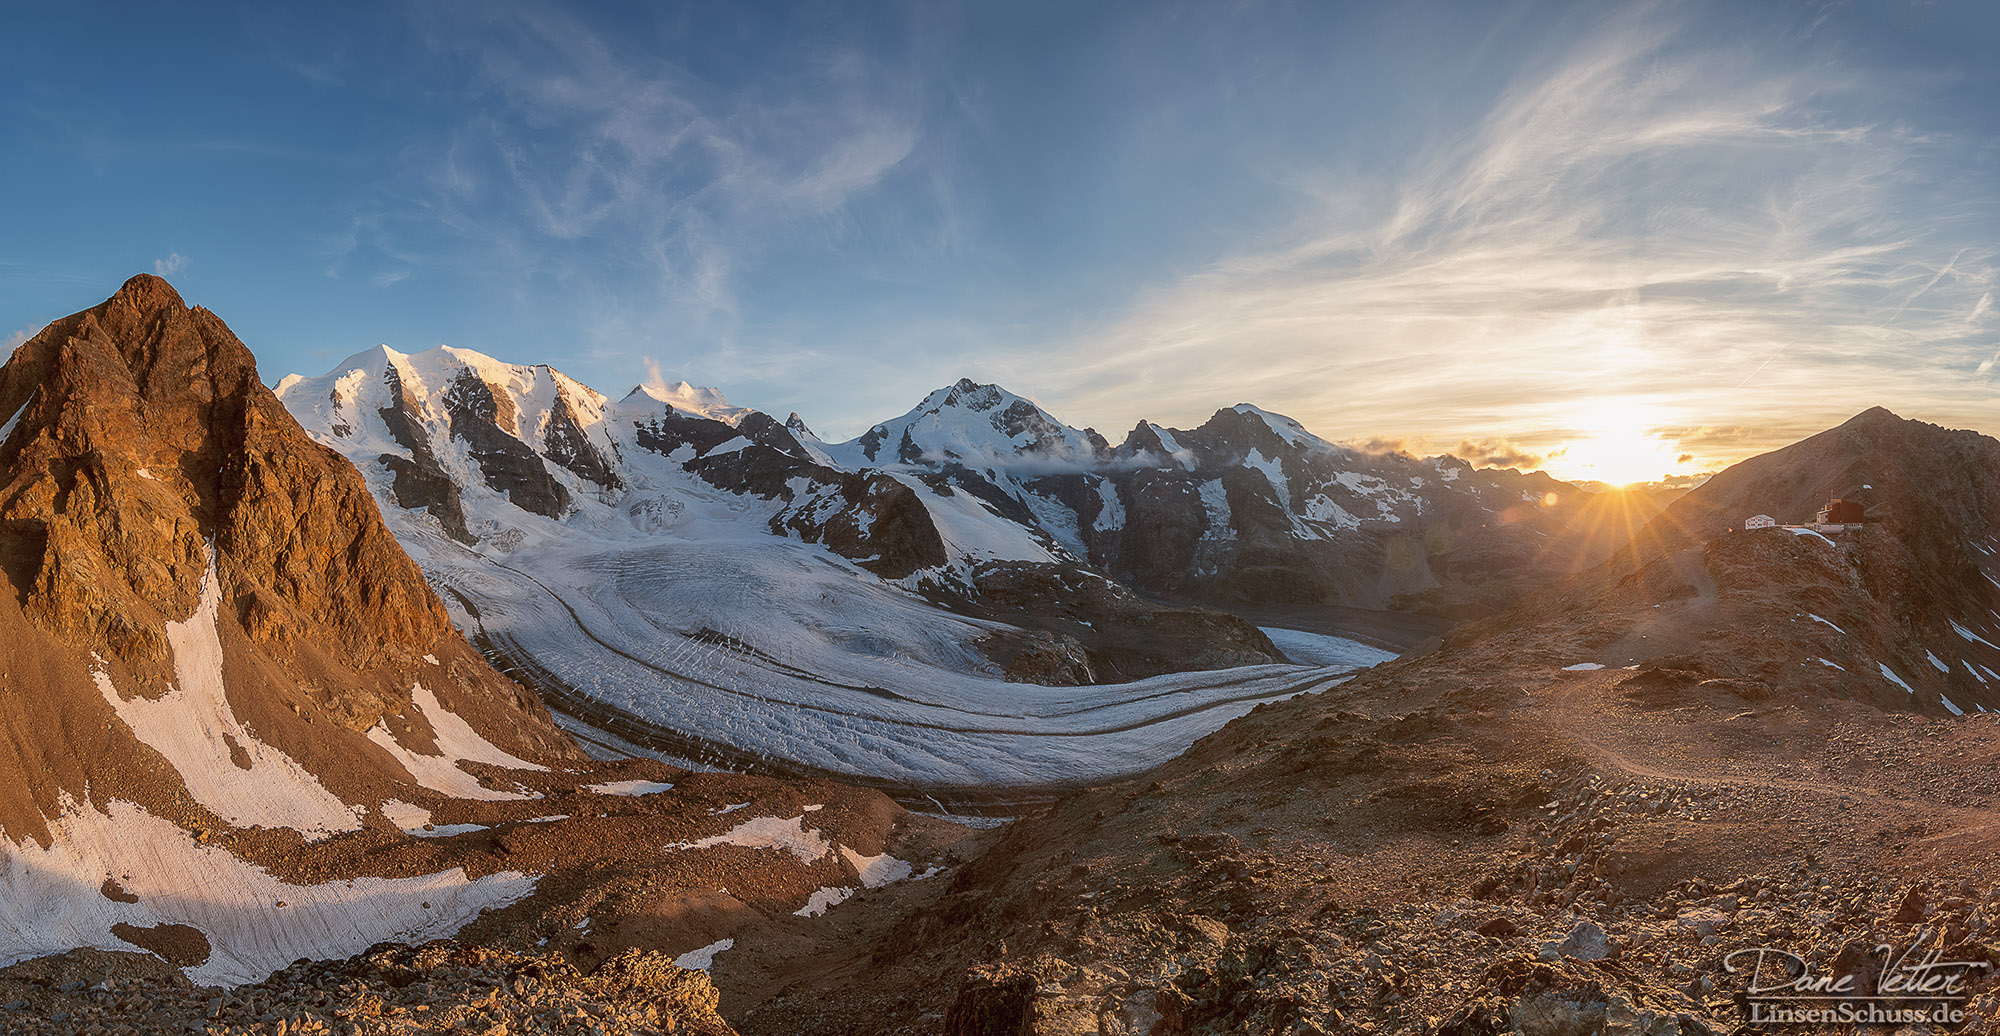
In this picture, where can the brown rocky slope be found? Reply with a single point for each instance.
(1903, 612)
(144, 450)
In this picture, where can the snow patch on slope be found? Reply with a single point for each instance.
(236, 905)
(789, 835)
(1111, 510)
(824, 899)
(7, 429)
(703, 958)
(876, 871)
(193, 727)
(1969, 635)
(457, 742)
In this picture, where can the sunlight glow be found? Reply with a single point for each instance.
(1615, 444)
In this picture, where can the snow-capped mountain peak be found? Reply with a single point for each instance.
(1284, 427)
(699, 400)
(979, 426)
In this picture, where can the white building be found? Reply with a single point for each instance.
(1760, 521)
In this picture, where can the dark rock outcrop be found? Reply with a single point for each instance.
(567, 445)
(419, 480)
(484, 419)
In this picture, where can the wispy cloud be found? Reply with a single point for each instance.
(639, 190)
(1682, 228)
(171, 265)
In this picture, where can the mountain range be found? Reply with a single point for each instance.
(700, 581)
(1286, 736)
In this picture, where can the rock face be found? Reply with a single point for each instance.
(209, 631)
(483, 418)
(419, 481)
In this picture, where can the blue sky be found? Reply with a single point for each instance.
(1511, 229)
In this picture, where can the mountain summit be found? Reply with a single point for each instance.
(212, 637)
(979, 426)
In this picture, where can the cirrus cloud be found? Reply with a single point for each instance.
(1642, 218)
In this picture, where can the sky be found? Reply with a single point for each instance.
(1604, 239)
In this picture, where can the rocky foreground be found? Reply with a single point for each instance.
(1547, 856)
(391, 991)
(1531, 851)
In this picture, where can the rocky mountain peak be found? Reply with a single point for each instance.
(1875, 417)
(146, 291)
(148, 462)
(967, 394)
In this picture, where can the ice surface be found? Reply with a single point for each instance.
(698, 400)
(1323, 649)
(823, 663)
(1582, 667)
(971, 529)
(1890, 675)
(670, 600)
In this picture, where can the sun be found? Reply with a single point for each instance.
(1617, 446)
